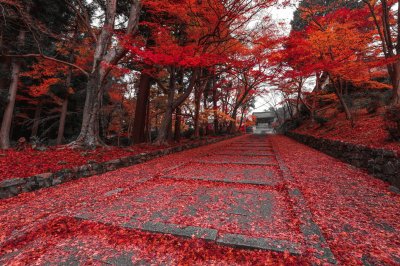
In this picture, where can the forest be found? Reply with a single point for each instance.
(199, 132)
(92, 73)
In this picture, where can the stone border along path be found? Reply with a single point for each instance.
(312, 235)
(14, 186)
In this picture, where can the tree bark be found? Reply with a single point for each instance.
(63, 116)
(178, 112)
(232, 124)
(89, 134)
(178, 122)
(12, 94)
(395, 77)
(36, 119)
(197, 100)
(167, 118)
(173, 104)
(339, 92)
(215, 108)
(139, 125)
(64, 109)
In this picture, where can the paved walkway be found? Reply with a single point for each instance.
(242, 201)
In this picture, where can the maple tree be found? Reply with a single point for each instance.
(337, 46)
(386, 19)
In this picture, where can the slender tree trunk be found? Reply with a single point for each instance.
(242, 118)
(12, 94)
(215, 108)
(63, 116)
(178, 121)
(396, 83)
(173, 104)
(64, 108)
(36, 119)
(232, 124)
(167, 118)
(178, 112)
(139, 134)
(339, 92)
(197, 100)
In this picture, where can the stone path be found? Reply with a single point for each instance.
(238, 194)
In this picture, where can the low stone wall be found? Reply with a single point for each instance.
(384, 164)
(14, 186)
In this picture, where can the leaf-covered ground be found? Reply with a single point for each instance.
(30, 162)
(105, 219)
(358, 214)
(369, 130)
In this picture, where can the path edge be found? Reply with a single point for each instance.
(15, 186)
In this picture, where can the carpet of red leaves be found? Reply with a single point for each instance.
(357, 213)
(369, 130)
(38, 227)
(31, 162)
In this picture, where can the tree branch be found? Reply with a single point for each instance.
(51, 59)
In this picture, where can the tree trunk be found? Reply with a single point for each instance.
(173, 104)
(178, 112)
(167, 118)
(89, 135)
(64, 108)
(232, 124)
(12, 94)
(139, 125)
(396, 83)
(197, 100)
(111, 55)
(178, 121)
(339, 93)
(36, 119)
(215, 108)
(63, 116)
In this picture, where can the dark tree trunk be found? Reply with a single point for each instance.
(64, 109)
(36, 119)
(167, 118)
(197, 100)
(139, 125)
(63, 116)
(232, 124)
(395, 76)
(178, 112)
(12, 94)
(339, 93)
(178, 121)
(173, 104)
(215, 108)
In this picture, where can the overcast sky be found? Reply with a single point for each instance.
(284, 15)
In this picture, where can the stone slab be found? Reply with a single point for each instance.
(243, 241)
(182, 207)
(188, 231)
(248, 174)
(237, 159)
(249, 154)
